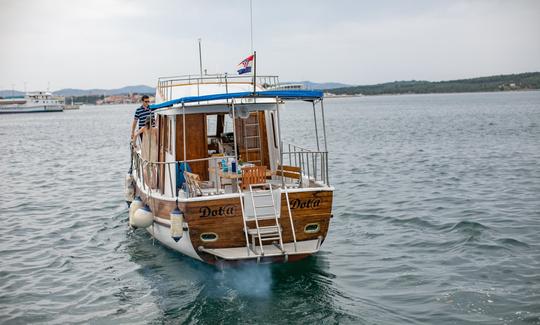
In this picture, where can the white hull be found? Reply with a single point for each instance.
(30, 109)
(162, 233)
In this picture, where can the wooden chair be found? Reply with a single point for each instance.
(192, 184)
(253, 175)
(289, 171)
(196, 187)
(292, 172)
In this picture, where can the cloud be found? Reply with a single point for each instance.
(114, 43)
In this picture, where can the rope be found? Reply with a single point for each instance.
(131, 159)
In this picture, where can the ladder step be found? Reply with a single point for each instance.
(271, 230)
(269, 227)
(266, 193)
(269, 238)
(266, 217)
(253, 149)
(264, 206)
(251, 136)
(270, 234)
(263, 217)
(251, 124)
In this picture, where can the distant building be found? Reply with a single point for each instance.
(122, 99)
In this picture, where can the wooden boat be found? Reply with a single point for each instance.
(215, 181)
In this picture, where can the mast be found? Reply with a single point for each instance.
(200, 58)
(200, 69)
(254, 52)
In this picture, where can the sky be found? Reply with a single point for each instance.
(86, 44)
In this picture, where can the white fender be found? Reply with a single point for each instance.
(177, 221)
(143, 217)
(135, 205)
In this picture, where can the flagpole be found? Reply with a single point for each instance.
(254, 71)
(200, 58)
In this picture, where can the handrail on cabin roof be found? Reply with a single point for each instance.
(307, 95)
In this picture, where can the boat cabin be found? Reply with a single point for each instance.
(214, 137)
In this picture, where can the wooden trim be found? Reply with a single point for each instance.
(293, 169)
(162, 143)
(288, 174)
(265, 159)
(197, 146)
(224, 217)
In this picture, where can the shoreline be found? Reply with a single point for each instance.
(440, 93)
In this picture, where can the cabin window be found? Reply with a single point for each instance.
(209, 236)
(212, 130)
(227, 137)
(228, 124)
(311, 228)
(211, 125)
(219, 132)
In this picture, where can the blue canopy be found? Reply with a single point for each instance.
(309, 95)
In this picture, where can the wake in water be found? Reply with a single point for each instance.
(247, 279)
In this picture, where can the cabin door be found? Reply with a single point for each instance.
(196, 144)
(251, 134)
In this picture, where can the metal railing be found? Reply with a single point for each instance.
(158, 176)
(166, 84)
(313, 164)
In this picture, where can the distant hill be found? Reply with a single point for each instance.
(68, 92)
(522, 81)
(140, 89)
(318, 86)
(11, 93)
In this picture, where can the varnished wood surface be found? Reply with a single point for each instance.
(204, 216)
(264, 140)
(196, 145)
(163, 142)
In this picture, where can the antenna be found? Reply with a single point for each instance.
(200, 58)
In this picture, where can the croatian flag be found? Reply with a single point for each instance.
(245, 66)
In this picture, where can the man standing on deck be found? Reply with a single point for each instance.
(140, 116)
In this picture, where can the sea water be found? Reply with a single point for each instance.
(436, 221)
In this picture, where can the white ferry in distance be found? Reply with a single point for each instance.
(33, 102)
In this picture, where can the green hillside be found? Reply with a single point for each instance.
(522, 81)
